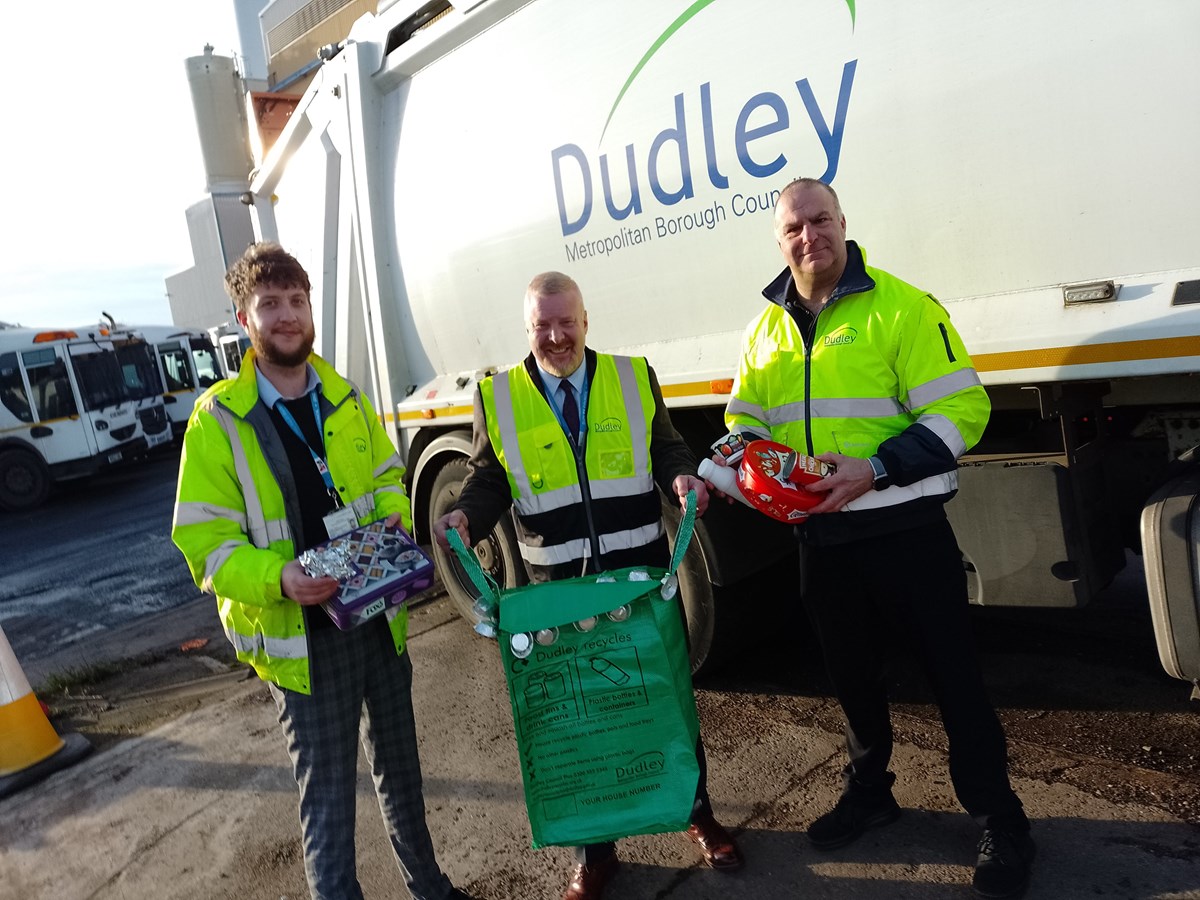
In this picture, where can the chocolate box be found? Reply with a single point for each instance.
(390, 569)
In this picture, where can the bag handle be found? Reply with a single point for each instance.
(683, 537)
(489, 591)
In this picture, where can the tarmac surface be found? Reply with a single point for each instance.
(194, 797)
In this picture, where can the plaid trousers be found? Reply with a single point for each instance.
(360, 688)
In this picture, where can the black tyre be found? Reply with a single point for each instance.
(24, 480)
(497, 553)
(696, 591)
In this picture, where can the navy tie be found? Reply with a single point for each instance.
(570, 409)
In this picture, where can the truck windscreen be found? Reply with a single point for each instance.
(100, 379)
(139, 369)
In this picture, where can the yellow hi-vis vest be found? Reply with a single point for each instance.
(235, 528)
(880, 360)
(618, 508)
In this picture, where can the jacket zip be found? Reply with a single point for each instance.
(808, 348)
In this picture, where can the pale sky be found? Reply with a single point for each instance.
(100, 156)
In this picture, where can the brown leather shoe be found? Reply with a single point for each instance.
(587, 882)
(716, 844)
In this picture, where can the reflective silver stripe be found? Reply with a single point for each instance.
(933, 486)
(857, 408)
(840, 408)
(568, 551)
(215, 560)
(256, 526)
(601, 489)
(556, 553)
(202, 513)
(633, 537)
(605, 488)
(634, 412)
(278, 530)
(274, 647)
(940, 388)
(737, 407)
(550, 500)
(947, 431)
(392, 462)
(507, 423)
(363, 505)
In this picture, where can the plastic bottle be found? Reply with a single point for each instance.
(723, 479)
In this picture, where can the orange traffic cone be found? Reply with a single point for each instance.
(30, 748)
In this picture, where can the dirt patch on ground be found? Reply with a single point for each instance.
(129, 697)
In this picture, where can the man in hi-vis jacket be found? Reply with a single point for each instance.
(576, 441)
(851, 365)
(276, 461)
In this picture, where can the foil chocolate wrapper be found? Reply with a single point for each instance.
(332, 560)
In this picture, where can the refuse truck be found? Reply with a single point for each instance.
(68, 410)
(1032, 165)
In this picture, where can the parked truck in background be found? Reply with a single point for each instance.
(186, 364)
(1031, 164)
(66, 411)
(143, 382)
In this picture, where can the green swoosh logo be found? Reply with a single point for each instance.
(683, 19)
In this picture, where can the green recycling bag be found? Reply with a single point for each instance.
(603, 709)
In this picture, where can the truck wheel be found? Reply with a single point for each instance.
(497, 553)
(696, 592)
(24, 480)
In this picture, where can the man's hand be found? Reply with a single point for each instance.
(853, 478)
(684, 483)
(456, 519)
(394, 521)
(296, 584)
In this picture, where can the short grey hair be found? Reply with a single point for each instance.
(546, 283)
(798, 183)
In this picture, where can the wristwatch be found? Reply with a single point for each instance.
(882, 480)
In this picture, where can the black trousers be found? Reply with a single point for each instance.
(865, 597)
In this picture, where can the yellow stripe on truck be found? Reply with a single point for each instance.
(441, 413)
(1123, 351)
(1042, 358)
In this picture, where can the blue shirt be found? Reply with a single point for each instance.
(269, 394)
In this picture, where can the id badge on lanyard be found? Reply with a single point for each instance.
(339, 521)
(342, 519)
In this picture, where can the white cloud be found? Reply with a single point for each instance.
(100, 155)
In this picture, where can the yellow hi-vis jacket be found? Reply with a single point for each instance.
(603, 506)
(885, 374)
(235, 527)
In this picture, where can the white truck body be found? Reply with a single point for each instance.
(1032, 165)
(187, 365)
(65, 411)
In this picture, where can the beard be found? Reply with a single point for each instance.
(272, 353)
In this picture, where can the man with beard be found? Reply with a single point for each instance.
(274, 462)
(598, 431)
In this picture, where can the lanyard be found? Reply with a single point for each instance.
(583, 404)
(318, 460)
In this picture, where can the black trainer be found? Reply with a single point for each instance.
(1002, 869)
(853, 815)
